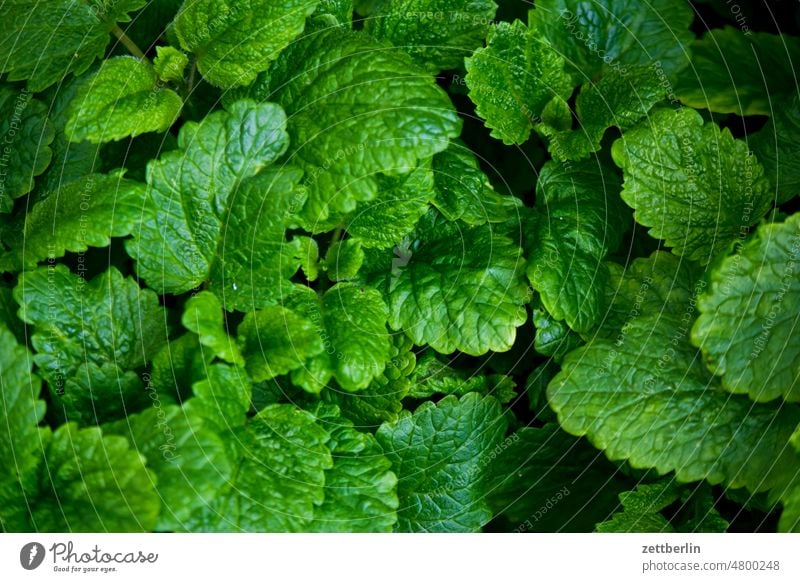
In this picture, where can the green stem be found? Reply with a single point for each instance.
(324, 282)
(190, 82)
(128, 43)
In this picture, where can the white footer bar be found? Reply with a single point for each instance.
(395, 557)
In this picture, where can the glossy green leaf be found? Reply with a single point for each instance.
(777, 147)
(89, 482)
(356, 108)
(27, 135)
(463, 191)
(579, 220)
(437, 33)
(544, 480)
(170, 63)
(189, 460)
(123, 98)
(90, 338)
(21, 411)
(440, 454)
(203, 315)
(512, 80)
(402, 200)
(745, 74)
(279, 477)
(45, 41)
(87, 212)
(344, 259)
(350, 321)
(690, 183)
(748, 324)
(360, 488)
(601, 35)
(193, 195)
(234, 41)
(276, 341)
(462, 288)
(648, 399)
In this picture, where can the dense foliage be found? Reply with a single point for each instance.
(398, 265)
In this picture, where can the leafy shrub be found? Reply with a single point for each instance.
(322, 265)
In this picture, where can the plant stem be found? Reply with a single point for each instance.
(337, 234)
(128, 43)
(190, 82)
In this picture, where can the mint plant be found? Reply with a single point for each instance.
(384, 265)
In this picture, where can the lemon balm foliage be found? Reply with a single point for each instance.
(398, 265)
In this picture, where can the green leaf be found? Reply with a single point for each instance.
(170, 63)
(536, 390)
(344, 259)
(356, 108)
(85, 213)
(381, 401)
(512, 80)
(616, 100)
(745, 74)
(437, 33)
(222, 401)
(308, 255)
(601, 35)
(360, 488)
(279, 477)
(543, 480)
(27, 135)
(553, 338)
(21, 411)
(93, 483)
(350, 321)
(790, 516)
(45, 41)
(463, 191)
(234, 41)
(176, 366)
(461, 289)
(648, 399)
(203, 315)
(748, 324)
(341, 10)
(691, 184)
(189, 461)
(70, 161)
(777, 147)
(642, 510)
(276, 341)
(660, 283)
(440, 455)
(432, 377)
(191, 196)
(90, 337)
(254, 261)
(123, 98)
(402, 200)
(580, 219)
